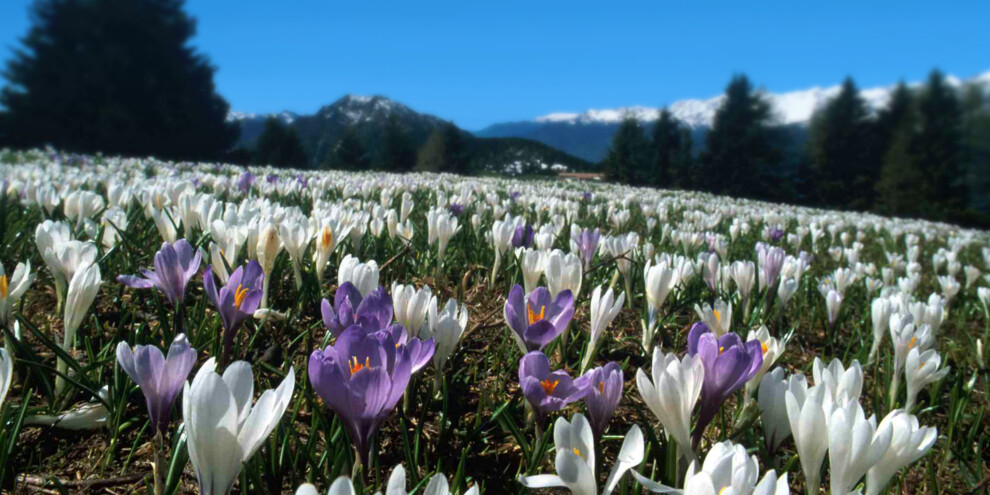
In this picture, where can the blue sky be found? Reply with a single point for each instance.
(478, 63)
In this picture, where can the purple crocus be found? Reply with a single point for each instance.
(175, 265)
(245, 181)
(361, 378)
(604, 393)
(587, 244)
(456, 209)
(237, 300)
(272, 179)
(587, 196)
(372, 312)
(523, 236)
(776, 234)
(160, 378)
(548, 391)
(729, 363)
(514, 195)
(537, 320)
(420, 351)
(771, 262)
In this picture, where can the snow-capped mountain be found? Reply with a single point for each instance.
(588, 134)
(286, 116)
(794, 107)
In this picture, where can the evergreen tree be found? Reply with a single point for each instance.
(348, 153)
(628, 157)
(686, 169)
(900, 189)
(279, 145)
(666, 148)
(738, 157)
(938, 147)
(431, 155)
(840, 151)
(116, 76)
(454, 159)
(397, 152)
(976, 147)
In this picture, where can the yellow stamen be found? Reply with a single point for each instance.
(577, 452)
(911, 342)
(718, 316)
(549, 386)
(601, 387)
(533, 316)
(765, 348)
(239, 295)
(355, 366)
(721, 350)
(724, 488)
(327, 239)
(4, 287)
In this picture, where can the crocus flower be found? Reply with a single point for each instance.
(361, 378)
(160, 378)
(420, 351)
(222, 428)
(364, 276)
(522, 236)
(855, 444)
(672, 394)
(563, 272)
(536, 320)
(772, 350)
(446, 328)
(245, 181)
(82, 291)
(807, 417)
(604, 309)
(411, 305)
(455, 209)
(921, 370)
(548, 391)
(532, 261)
(729, 364)
(436, 486)
(6, 374)
(575, 460)
(587, 243)
(605, 384)
(771, 399)
(727, 469)
(237, 300)
(372, 313)
(833, 302)
(12, 289)
(717, 318)
(175, 265)
(908, 443)
(660, 281)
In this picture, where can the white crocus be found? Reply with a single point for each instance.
(660, 281)
(295, 235)
(563, 272)
(83, 287)
(786, 290)
(807, 418)
(436, 486)
(342, 486)
(364, 276)
(744, 275)
(533, 263)
(906, 335)
(772, 350)
(411, 306)
(604, 309)
(717, 318)
(921, 369)
(268, 246)
(833, 303)
(445, 328)
(773, 408)
(222, 428)
(880, 311)
(502, 231)
(12, 289)
(86, 416)
(672, 394)
(328, 237)
(575, 460)
(6, 374)
(908, 443)
(727, 469)
(844, 385)
(855, 444)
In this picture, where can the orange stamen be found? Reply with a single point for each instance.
(577, 452)
(239, 295)
(601, 387)
(911, 342)
(4, 287)
(764, 347)
(535, 317)
(327, 239)
(549, 386)
(718, 316)
(355, 366)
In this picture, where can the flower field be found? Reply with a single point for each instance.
(203, 328)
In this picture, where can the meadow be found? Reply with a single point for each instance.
(174, 327)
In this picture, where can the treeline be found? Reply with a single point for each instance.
(926, 154)
(444, 151)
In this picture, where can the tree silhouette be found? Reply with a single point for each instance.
(279, 145)
(115, 76)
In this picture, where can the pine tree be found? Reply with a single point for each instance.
(666, 148)
(627, 159)
(397, 152)
(900, 189)
(431, 155)
(976, 147)
(840, 145)
(686, 168)
(348, 153)
(738, 157)
(938, 147)
(454, 159)
(279, 145)
(116, 76)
